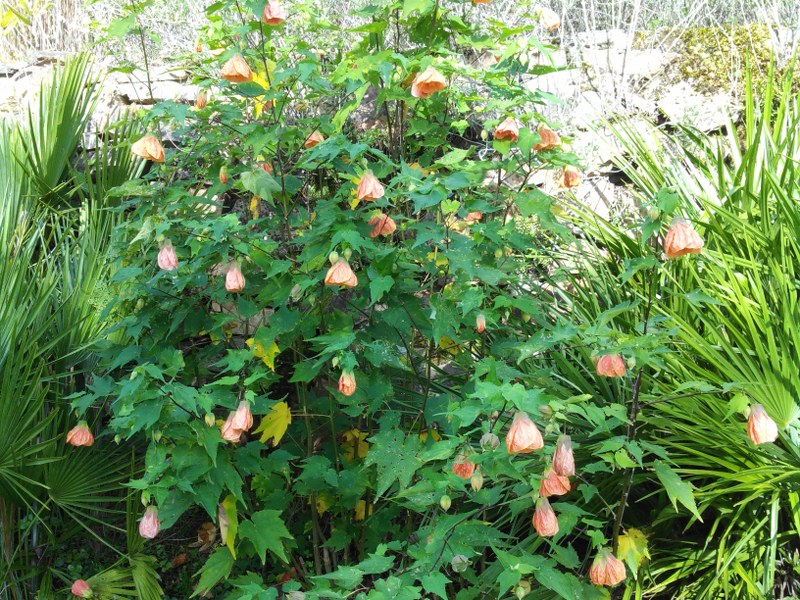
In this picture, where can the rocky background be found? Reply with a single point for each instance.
(689, 71)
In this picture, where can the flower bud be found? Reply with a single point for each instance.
(480, 323)
(347, 253)
(157, 435)
(489, 441)
(563, 457)
(167, 259)
(234, 280)
(81, 589)
(445, 502)
(347, 383)
(200, 101)
(523, 436)
(460, 563)
(476, 481)
(606, 569)
(653, 212)
(463, 467)
(223, 175)
(80, 435)
(760, 426)
(333, 257)
(210, 419)
(523, 589)
(149, 526)
(544, 519)
(296, 595)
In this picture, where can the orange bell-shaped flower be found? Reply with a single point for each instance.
(149, 148)
(80, 435)
(507, 130)
(570, 177)
(236, 70)
(610, 365)
(369, 188)
(428, 82)
(563, 458)
(548, 138)
(382, 225)
(167, 259)
(606, 569)
(315, 138)
(463, 467)
(274, 13)
(544, 519)
(681, 239)
(234, 280)
(549, 19)
(523, 436)
(347, 383)
(480, 323)
(340, 274)
(149, 526)
(473, 217)
(553, 484)
(237, 423)
(760, 426)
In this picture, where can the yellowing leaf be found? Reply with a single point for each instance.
(633, 549)
(274, 424)
(324, 502)
(254, 206)
(445, 343)
(259, 103)
(363, 510)
(268, 355)
(423, 435)
(228, 512)
(353, 444)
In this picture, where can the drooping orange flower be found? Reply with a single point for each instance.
(266, 167)
(523, 436)
(149, 148)
(167, 259)
(382, 225)
(606, 569)
(274, 13)
(149, 526)
(201, 100)
(340, 274)
(347, 383)
(315, 138)
(81, 589)
(760, 426)
(369, 188)
(463, 467)
(234, 280)
(428, 82)
(563, 457)
(480, 323)
(507, 130)
(553, 484)
(548, 138)
(80, 435)
(236, 70)
(481, 1)
(610, 365)
(473, 217)
(681, 239)
(549, 19)
(243, 418)
(544, 519)
(570, 177)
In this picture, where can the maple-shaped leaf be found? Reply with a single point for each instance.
(274, 424)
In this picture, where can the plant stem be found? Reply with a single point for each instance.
(632, 422)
